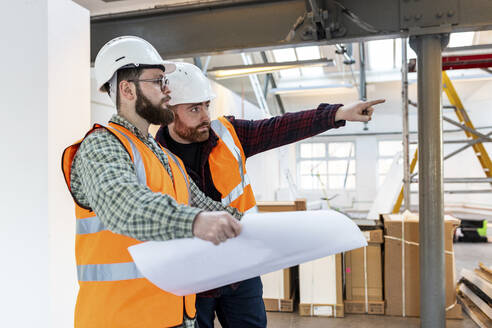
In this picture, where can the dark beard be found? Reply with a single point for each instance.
(190, 134)
(154, 114)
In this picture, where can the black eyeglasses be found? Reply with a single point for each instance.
(163, 81)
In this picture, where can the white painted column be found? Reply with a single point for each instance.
(45, 106)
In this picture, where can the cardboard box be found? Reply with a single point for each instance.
(321, 287)
(278, 304)
(321, 310)
(363, 274)
(372, 307)
(374, 236)
(394, 286)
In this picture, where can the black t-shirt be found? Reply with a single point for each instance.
(190, 154)
(195, 159)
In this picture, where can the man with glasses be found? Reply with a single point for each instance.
(128, 189)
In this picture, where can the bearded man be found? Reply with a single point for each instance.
(128, 189)
(215, 152)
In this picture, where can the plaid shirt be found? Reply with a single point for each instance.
(104, 179)
(261, 135)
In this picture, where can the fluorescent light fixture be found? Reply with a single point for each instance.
(340, 87)
(226, 72)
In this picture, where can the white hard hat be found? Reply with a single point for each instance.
(123, 51)
(189, 85)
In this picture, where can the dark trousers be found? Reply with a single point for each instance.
(242, 307)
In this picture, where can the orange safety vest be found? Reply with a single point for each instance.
(112, 292)
(228, 168)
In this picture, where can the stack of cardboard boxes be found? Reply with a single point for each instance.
(402, 269)
(395, 290)
(364, 277)
(382, 278)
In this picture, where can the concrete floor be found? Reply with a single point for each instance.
(467, 255)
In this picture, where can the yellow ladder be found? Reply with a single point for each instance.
(459, 109)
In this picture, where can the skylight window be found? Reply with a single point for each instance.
(312, 72)
(462, 39)
(308, 53)
(381, 54)
(283, 55)
(301, 53)
(289, 74)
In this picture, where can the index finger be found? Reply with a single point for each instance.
(375, 102)
(236, 226)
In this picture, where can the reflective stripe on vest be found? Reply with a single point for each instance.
(228, 140)
(253, 209)
(108, 272)
(183, 172)
(89, 225)
(137, 159)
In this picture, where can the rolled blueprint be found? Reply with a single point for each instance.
(268, 242)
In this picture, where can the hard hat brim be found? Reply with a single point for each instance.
(169, 67)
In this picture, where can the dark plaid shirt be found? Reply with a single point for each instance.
(256, 137)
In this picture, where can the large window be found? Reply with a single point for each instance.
(326, 165)
(387, 149)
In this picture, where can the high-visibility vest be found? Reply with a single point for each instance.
(112, 292)
(228, 168)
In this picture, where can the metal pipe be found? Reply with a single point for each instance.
(462, 180)
(362, 75)
(431, 196)
(362, 72)
(270, 77)
(414, 104)
(483, 191)
(267, 84)
(459, 150)
(255, 83)
(205, 66)
(470, 142)
(198, 62)
(406, 128)
(464, 127)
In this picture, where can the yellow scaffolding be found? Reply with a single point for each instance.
(459, 109)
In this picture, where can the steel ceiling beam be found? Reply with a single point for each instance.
(202, 28)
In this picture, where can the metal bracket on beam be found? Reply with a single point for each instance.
(418, 15)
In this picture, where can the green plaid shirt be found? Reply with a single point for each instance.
(104, 179)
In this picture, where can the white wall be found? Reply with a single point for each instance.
(69, 120)
(44, 102)
(102, 107)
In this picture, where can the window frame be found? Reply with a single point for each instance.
(327, 158)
